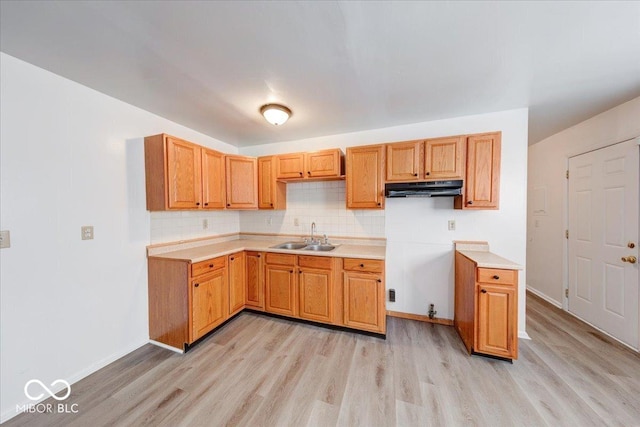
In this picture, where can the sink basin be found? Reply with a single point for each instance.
(321, 248)
(290, 245)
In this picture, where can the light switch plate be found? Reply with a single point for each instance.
(87, 232)
(5, 239)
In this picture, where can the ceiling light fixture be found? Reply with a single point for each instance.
(275, 114)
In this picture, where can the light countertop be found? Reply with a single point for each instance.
(202, 253)
(487, 259)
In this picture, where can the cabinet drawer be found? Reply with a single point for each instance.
(315, 262)
(371, 265)
(207, 266)
(496, 275)
(280, 259)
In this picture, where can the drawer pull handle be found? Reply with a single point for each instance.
(196, 285)
(484, 291)
(496, 277)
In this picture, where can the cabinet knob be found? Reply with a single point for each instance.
(484, 291)
(300, 272)
(379, 280)
(196, 285)
(232, 259)
(379, 204)
(300, 173)
(228, 205)
(308, 172)
(361, 265)
(290, 271)
(197, 203)
(210, 265)
(428, 173)
(258, 255)
(271, 204)
(470, 202)
(206, 204)
(415, 174)
(496, 277)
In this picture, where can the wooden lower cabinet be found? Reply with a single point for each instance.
(364, 301)
(254, 294)
(209, 300)
(486, 308)
(280, 284)
(316, 288)
(237, 282)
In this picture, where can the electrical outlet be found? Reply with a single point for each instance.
(87, 232)
(451, 224)
(205, 224)
(5, 239)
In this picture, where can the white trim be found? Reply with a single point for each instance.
(7, 415)
(524, 335)
(168, 347)
(544, 297)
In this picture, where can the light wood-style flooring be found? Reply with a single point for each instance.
(260, 371)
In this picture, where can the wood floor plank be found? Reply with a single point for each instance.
(261, 371)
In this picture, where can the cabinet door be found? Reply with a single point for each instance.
(183, 174)
(271, 193)
(315, 294)
(237, 282)
(443, 158)
(280, 288)
(496, 320)
(255, 281)
(364, 305)
(323, 163)
(365, 167)
(242, 182)
(290, 165)
(482, 181)
(404, 161)
(213, 179)
(209, 302)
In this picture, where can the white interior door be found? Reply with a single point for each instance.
(603, 234)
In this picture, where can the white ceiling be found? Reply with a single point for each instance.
(340, 66)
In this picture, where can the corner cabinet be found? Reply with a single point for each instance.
(237, 281)
(482, 180)
(242, 182)
(486, 305)
(181, 175)
(186, 301)
(365, 177)
(254, 294)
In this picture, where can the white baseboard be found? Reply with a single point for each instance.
(7, 415)
(168, 347)
(524, 335)
(545, 297)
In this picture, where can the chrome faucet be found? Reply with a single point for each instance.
(313, 231)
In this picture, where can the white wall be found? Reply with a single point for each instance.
(419, 247)
(547, 220)
(71, 156)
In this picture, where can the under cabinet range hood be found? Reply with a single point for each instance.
(424, 189)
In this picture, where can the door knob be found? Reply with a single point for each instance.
(630, 259)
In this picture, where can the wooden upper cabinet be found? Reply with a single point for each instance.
(404, 161)
(272, 194)
(323, 163)
(444, 158)
(237, 282)
(482, 180)
(242, 182)
(365, 169)
(316, 164)
(213, 179)
(290, 165)
(181, 175)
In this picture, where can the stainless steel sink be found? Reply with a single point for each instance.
(290, 245)
(321, 248)
(305, 246)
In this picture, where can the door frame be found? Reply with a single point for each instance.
(565, 249)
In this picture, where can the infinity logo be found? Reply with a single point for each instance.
(52, 394)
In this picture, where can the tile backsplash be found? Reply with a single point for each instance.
(307, 202)
(184, 225)
(320, 202)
